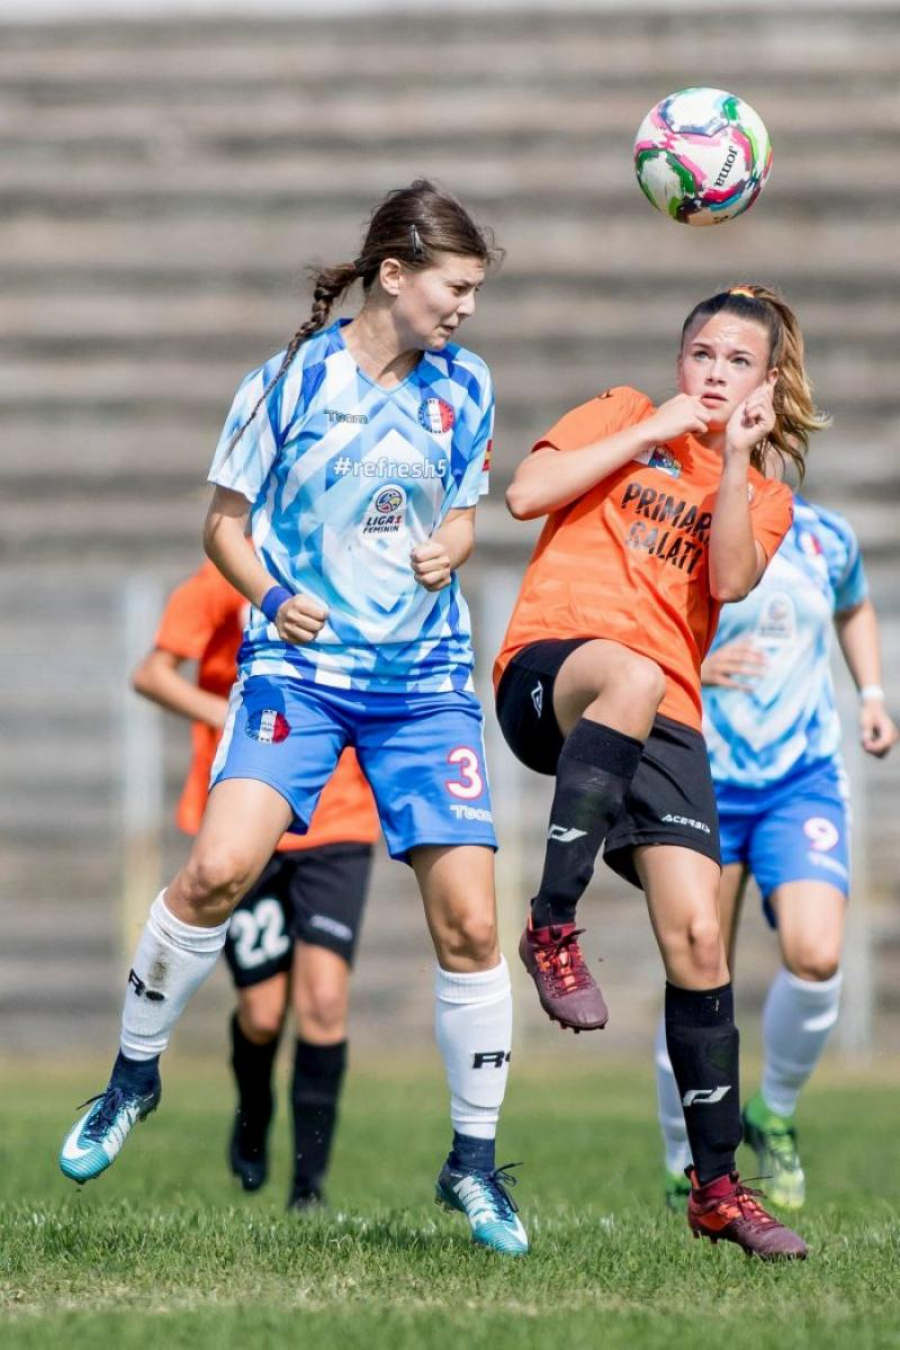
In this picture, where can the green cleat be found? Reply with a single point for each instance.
(774, 1140)
(678, 1188)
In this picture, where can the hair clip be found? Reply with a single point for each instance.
(415, 243)
(743, 290)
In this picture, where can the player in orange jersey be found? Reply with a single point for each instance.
(656, 516)
(292, 937)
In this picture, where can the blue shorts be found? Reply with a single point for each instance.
(422, 753)
(797, 830)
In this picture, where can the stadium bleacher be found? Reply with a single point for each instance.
(164, 184)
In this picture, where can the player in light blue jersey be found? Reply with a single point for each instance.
(355, 458)
(773, 736)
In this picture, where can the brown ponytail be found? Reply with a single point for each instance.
(796, 416)
(412, 224)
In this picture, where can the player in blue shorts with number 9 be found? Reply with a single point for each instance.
(772, 731)
(356, 458)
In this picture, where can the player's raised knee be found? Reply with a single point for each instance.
(214, 881)
(644, 680)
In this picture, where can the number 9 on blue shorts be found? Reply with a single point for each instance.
(795, 830)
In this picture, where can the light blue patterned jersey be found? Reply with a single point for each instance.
(787, 718)
(345, 478)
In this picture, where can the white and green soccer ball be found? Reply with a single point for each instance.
(702, 156)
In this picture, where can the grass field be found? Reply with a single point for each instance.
(163, 1251)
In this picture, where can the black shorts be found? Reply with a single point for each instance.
(313, 895)
(671, 799)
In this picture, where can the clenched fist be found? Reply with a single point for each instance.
(751, 421)
(431, 565)
(300, 619)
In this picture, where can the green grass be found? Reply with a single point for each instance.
(162, 1251)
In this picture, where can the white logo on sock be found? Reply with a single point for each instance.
(704, 1096)
(564, 836)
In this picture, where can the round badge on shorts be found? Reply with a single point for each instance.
(436, 416)
(269, 727)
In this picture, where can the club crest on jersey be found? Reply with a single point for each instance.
(661, 457)
(778, 621)
(269, 727)
(386, 511)
(436, 416)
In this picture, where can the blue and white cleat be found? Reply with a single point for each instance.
(96, 1140)
(486, 1203)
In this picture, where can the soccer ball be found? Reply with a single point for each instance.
(702, 156)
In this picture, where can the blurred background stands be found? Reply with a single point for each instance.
(165, 182)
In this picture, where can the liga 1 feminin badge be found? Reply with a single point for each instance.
(386, 511)
(778, 621)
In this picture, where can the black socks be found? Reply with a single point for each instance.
(135, 1075)
(469, 1154)
(252, 1066)
(596, 766)
(318, 1075)
(703, 1047)
(317, 1080)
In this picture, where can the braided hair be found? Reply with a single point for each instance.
(412, 224)
(796, 416)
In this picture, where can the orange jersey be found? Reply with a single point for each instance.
(203, 622)
(628, 560)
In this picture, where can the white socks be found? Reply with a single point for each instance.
(473, 1025)
(797, 1019)
(669, 1108)
(172, 961)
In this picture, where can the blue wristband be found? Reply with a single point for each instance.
(273, 599)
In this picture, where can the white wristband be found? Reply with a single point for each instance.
(871, 691)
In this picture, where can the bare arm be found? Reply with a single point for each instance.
(299, 619)
(858, 635)
(736, 560)
(159, 679)
(437, 558)
(224, 538)
(548, 479)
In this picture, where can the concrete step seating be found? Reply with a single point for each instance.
(165, 184)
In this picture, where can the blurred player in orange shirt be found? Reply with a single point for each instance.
(656, 516)
(293, 936)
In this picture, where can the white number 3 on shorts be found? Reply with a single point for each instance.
(469, 784)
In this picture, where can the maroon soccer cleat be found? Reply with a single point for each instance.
(568, 991)
(728, 1211)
